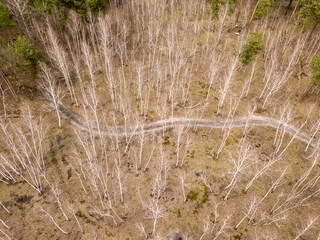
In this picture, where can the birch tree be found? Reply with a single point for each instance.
(51, 91)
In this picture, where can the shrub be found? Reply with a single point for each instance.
(5, 20)
(254, 44)
(315, 67)
(23, 48)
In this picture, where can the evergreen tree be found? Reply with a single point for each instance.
(309, 14)
(254, 44)
(22, 48)
(263, 8)
(5, 20)
(315, 68)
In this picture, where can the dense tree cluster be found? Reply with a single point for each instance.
(80, 6)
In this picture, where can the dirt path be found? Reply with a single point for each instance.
(122, 131)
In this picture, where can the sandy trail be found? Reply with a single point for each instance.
(122, 131)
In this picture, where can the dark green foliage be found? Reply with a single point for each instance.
(179, 213)
(206, 194)
(24, 199)
(54, 160)
(254, 44)
(69, 172)
(21, 47)
(63, 159)
(80, 6)
(263, 8)
(237, 237)
(193, 195)
(309, 14)
(315, 67)
(95, 5)
(216, 5)
(166, 141)
(5, 20)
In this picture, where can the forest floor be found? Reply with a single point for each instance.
(161, 159)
